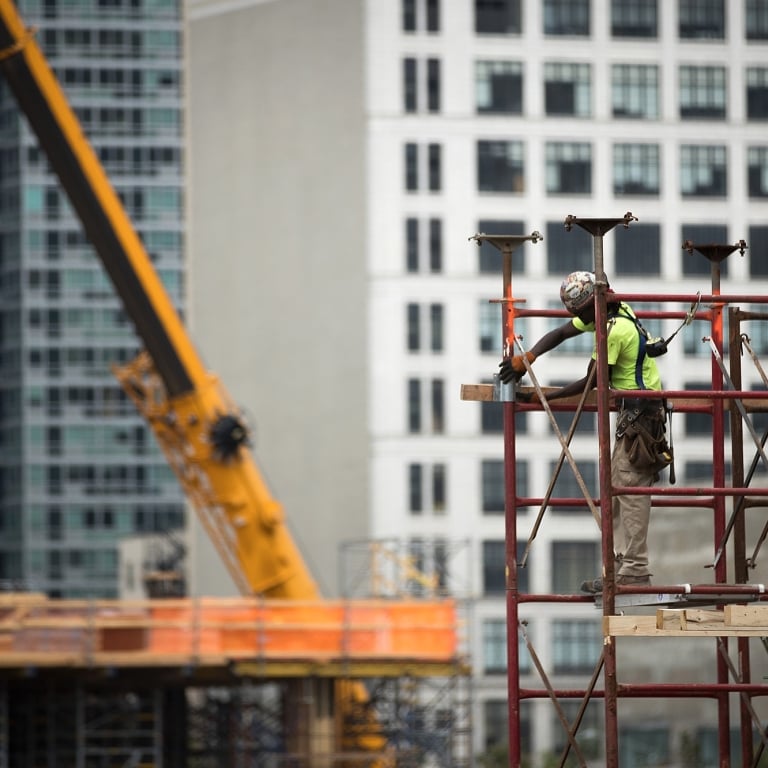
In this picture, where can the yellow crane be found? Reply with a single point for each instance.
(200, 431)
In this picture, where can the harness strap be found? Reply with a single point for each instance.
(643, 339)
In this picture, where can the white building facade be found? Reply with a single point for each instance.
(451, 118)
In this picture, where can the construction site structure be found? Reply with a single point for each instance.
(107, 684)
(727, 617)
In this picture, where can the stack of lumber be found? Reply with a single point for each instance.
(731, 621)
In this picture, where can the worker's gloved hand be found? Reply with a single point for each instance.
(528, 397)
(513, 368)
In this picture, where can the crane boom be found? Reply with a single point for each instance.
(202, 435)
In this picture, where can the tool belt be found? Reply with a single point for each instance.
(641, 426)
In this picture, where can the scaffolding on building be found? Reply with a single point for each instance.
(728, 608)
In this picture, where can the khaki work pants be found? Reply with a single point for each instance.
(631, 514)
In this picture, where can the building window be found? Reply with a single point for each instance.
(426, 488)
(572, 563)
(701, 19)
(492, 471)
(499, 87)
(703, 171)
(757, 93)
(412, 97)
(435, 167)
(756, 20)
(416, 317)
(498, 17)
(567, 89)
(433, 85)
(582, 344)
(566, 17)
(698, 472)
(702, 92)
(496, 724)
(635, 91)
(634, 18)
(414, 247)
(429, 415)
(432, 171)
(437, 405)
(500, 166)
(410, 85)
(695, 263)
(495, 648)
(758, 244)
(636, 169)
(576, 646)
(489, 325)
(638, 251)
(421, 14)
(757, 162)
(411, 167)
(698, 423)
(412, 244)
(413, 324)
(436, 326)
(492, 422)
(569, 167)
(591, 732)
(435, 245)
(567, 250)
(567, 487)
(414, 405)
(409, 15)
(494, 567)
(647, 745)
(587, 423)
(490, 257)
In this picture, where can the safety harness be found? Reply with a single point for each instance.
(643, 343)
(641, 423)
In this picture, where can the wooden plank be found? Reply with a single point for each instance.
(480, 392)
(669, 618)
(630, 625)
(696, 619)
(645, 626)
(690, 619)
(747, 616)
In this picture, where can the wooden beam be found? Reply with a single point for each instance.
(747, 616)
(645, 626)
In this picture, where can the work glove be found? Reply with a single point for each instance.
(531, 398)
(513, 368)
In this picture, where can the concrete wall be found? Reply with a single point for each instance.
(278, 269)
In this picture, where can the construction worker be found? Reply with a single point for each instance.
(640, 449)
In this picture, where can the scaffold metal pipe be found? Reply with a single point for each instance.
(653, 691)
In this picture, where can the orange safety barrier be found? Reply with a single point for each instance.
(238, 628)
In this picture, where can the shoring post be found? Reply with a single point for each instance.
(598, 228)
(716, 253)
(507, 244)
(739, 529)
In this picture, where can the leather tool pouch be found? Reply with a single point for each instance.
(644, 438)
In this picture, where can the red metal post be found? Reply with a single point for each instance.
(598, 228)
(507, 244)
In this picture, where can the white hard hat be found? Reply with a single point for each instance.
(577, 291)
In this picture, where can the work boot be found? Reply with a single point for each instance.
(595, 586)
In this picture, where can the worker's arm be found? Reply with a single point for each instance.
(575, 387)
(513, 368)
(554, 338)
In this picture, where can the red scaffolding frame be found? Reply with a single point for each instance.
(724, 397)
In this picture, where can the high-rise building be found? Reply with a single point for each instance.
(342, 155)
(79, 469)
